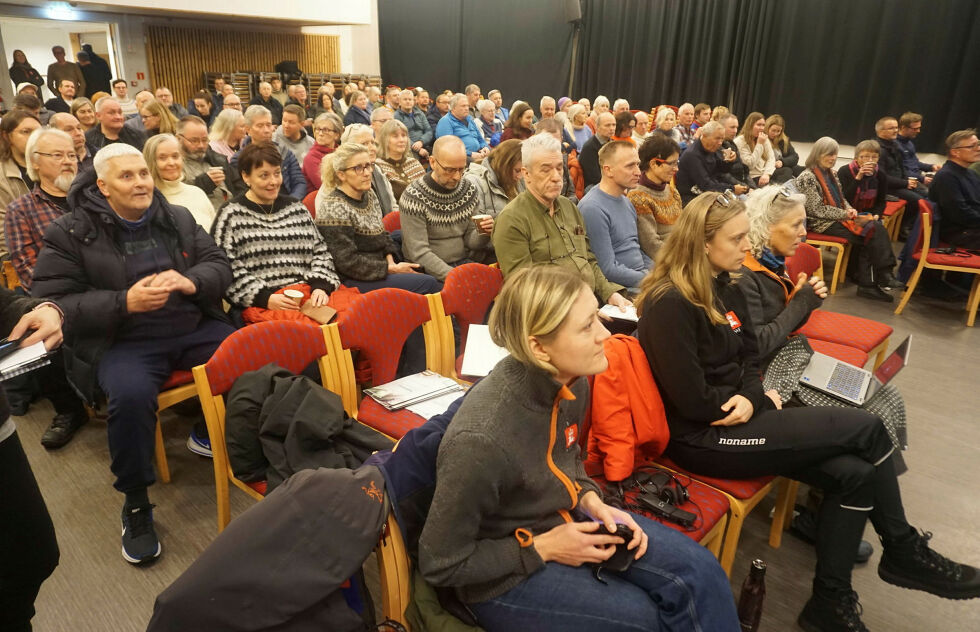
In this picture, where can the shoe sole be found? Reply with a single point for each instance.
(194, 447)
(135, 561)
(904, 582)
(806, 625)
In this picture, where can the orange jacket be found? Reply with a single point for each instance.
(629, 426)
(575, 173)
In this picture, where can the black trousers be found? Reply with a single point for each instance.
(968, 238)
(28, 548)
(874, 252)
(845, 452)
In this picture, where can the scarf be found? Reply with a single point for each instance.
(867, 188)
(832, 196)
(650, 184)
(772, 261)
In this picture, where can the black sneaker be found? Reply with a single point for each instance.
(139, 541)
(889, 282)
(63, 427)
(875, 293)
(914, 565)
(822, 614)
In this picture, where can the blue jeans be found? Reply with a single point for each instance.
(677, 585)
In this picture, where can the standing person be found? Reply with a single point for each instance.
(755, 149)
(394, 158)
(327, 129)
(166, 162)
(655, 198)
(21, 71)
(92, 74)
(62, 69)
(699, 338)
(787, 160)
(502, 534)
(102, 75)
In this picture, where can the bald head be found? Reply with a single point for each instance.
(605, 125)
(449, 162)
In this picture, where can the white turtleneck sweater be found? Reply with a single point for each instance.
(191, 198)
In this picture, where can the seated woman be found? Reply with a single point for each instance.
(348, 216)
(581, 132)
(520, 124)
(358, 112)
(166, 163)
(863, 183)
(719, 112)
(828, 212)
(656, 199)
(625, 124)
(227, 133)
(699, 338)
(271, 242)
(15, 128)
(500, 178)
(787, 160)
(327, 128)
(157, 119)
(364, 135)
(666, 124)
(84, 111)
(755, 149)
(500, 530)
(486, 121)
(395, 160)
(323, 103)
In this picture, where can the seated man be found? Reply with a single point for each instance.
(699, 169)
(231, 102)
(258, 126)
(731, 167)
(909, 126)
(291, 133)
(589, 159)
(61, 102)
(685, 119)
(438, 231)
(204, 167)
(472, 93)
(420, 134)
(380, 116)
(642, 127)
(166, 98)
(459, 123)
(956, 190)
(501, 112)
(702, 114)
(140, 284)
(297, 96)
(610, 219)
(436, 111)
(111, 127)
(540, 226)
(128, 105)
(70, 125)
(266, 100)
(900, 183)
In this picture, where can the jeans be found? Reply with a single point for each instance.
(677, 585)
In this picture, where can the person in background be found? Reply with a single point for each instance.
(755, 149)
(900, 183)
(500, 178)
(83, 110)
(520, 125)
(135, 123)
(21, 71)
(685, 119)
(205, 168)
(502, 113)
(718, 112)
(599, 106)
(909, 127)
(584, 102)
(166, 98)
(956, 191)
(420, 133)
(62, 69)
(102, 75)
(363, 135)
(359, 111)
(487, 122)
(700, 168)
(291, 134)
(70, 125)
(166, 162)
(472, 93)
(732, 169)
(864, 185)
(325, 101)
(655, 198)
(394, 158)
(379, 117)
(16, 128)
(298, 97)
(460, 124)
(702, 114)
(111, 128)
(258, 127)
(203, 107)
(231, 101)
(589, 158)
(625, 124)
(128, 105)
(642, 127)
(438, 109)
(227, 133)
(265, 99)
(61, 102)
(157, 119)
(327, 129)
(277, 92)
(787, 160)
(554, 127)
(580, 131)
(345, 100)
(666, 124)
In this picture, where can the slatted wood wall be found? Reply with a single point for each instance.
(179, 57)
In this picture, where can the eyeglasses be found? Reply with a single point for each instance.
(59, 156)
(975, 145)
(669, 163)
(324, 130)
(726, 198)
(201, 140)
(450, 170)
(360, 169)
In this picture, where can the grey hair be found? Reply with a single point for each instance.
(389, 129)
(354, 129)
(711, 128)
(685, 106)
(376, 113)
(765, 207)
(825, 146)
(335, 121)
(470, 89)
(104, 101)
(493, 92)
(620, 102)
(456, 98)
(226, 121)
(254, 112)
(545, 99)
(538, 144)
(662, 114)
(600, 100)
(110, 152)
(265, 83)
(35, 138)
(574, 111)
(483, 104)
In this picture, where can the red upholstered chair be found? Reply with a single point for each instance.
(842, 253)
(392, 221)
(844, 353)
(467, 293)
(959, 262)
(179, 387)
(892, 216)
(310, 203)
(868, 336)
(807, 259)
(289, 344)
(377, 326)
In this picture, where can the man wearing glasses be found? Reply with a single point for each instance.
(204, 167)
(956, 190)
(900, 183)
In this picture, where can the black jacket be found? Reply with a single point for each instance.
(272, 105)
(849, 186)
(82, 268)
(233, 179)
(699, 168)
(736, 171)
(891, 163)
(589, 160)
(95, 138)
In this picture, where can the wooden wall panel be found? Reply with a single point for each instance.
(179, 57)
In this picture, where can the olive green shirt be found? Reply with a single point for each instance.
(524, 234)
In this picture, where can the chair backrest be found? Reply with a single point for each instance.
(807, 259)
(10, 277)
(392, 221)
(310, 202)
(467, 293)
(926, 221)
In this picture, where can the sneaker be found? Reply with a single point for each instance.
(139, 541)
(63, 427)
(914, 565)
(198, 440)
(804, 526)
(889, 282)
(875, 293)
(822, 614)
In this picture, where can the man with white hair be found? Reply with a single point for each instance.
(141, 284)
(71, 126)
(620, 105)
(111, 127)
(488, 124)
(380, 116)
(268, 101)
(685, 118)
(548, 111)
(599, 106)
(258, 126)
(501, 112)
(642, 127)
(547, 107)
(420, 133)
(700, 169)
(540, 226)
(166, 98)
(458, 122)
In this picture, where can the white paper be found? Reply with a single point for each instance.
(396, 394)
(614, 312)
(480, 354)
(23, 356)
(435, 406)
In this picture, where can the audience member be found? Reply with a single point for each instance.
(863, 184)
(203, 107)
(731, 168)
(909, 126)
(136, 318)
(15, 128)
(438, 109)
(589, 158)
(291, 134)
(364, 136)
(258, 127)
(755, 149)
(540, 226)
(157, 119)
(345, 100)
(502, 113)
(438, 229)
(26, 102)
(685, 118)
(419, 131)
(718, 112)
(500, 178)
(423, 101)
(459, 123)
(488, 124)
(166, 98)
(61, 102)
(205, 168)
(232, 102)
(584, 102)
(472, 93)
(380, 116)
(128, 105)
(520, 124)
(553, 127)
(787, 160)
(348, 215)
(228, 132)
(666, 124)
(135, 123)
(221, 90)
(391, 98)
(394, 158)
(70, 125)
(325, 102)
(163, 156)
(298, 96)
(900, 183)
(83, 110)
(359, 111)
(547, 107)
(655, 198)
(277, 92)
(580, 131)
(62, 69)
(642, 127)
(21, 71)
(610, 219)
(828, 212)
(266, 100)
(702, 114)
(327, 129)
(625, 124)
(111, 127)
(956, 191)
(700, 169)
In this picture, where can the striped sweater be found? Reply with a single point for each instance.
(271, 248)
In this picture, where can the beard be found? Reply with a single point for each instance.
(195, 155)
(63, 182)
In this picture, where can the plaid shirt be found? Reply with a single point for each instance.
(27, 218)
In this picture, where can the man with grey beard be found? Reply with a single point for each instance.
(204, 167)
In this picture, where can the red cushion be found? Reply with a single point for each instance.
(893, 207)
(973, 261)
(467, 293)
(844, 329)
(394, 423)
(392, 221)
(845, 353)
(742, 489)
(822, 237)
(259, 486)
(177, 378)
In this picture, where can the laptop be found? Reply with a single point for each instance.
(850, 383)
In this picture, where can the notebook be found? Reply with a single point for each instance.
(24, 360)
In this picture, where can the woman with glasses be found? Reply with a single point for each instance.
(157, 119)
(84, 111)
(227, 133)
(364, 135)
(348, 216)
(656, 199)
(15, 128)
(272, 243)
(394, 158)
(697, 331)
(166, 162)
(327, 128)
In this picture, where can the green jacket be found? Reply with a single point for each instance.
(525, 234)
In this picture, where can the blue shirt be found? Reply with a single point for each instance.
(913, 166)
(467, 131)
(611, 226)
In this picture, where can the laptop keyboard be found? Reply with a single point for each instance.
(846, 380)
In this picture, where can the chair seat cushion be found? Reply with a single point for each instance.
(743, 489)
(394, 423)
(177, 378)
(845, 353)
(259, 486)
(822, 237)
(844, 329)
(972, 261)
(893, 207)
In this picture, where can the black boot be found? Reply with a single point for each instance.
(832, 614)
(875, 293)
(910, 563)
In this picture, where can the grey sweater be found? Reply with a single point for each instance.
(510, 460)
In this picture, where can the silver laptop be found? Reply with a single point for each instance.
(850, 383)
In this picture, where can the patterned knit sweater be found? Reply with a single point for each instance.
(436, 227)
(401, 173)
(355, 234)
(271, 248)
(656, 214)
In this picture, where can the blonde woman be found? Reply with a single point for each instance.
(755, 149)
(83, 110)
(227, 132)
(157, 118)
(163, 157)
(394, 158)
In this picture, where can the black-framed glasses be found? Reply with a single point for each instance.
(669, 163)
(58, 155)
(324, 130)
(360, 169)
(450, 170)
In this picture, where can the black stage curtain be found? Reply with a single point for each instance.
(521, 47)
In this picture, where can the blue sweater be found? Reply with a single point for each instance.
(467, 131)
(913, 166)
(611, 226)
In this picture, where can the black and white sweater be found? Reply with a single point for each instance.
(270, 248)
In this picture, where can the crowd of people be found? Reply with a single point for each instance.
(134, 218)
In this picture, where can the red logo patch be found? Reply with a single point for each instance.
(733, 321)
(571, 436)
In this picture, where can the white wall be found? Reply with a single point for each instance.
(310, 12)
(359, 44)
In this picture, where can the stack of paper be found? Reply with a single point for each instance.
(24, 360)
(412, 389)
(614, 312)
(480, 354)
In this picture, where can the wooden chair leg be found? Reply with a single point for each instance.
(846, 254)
(908, 290)
(879, 353)
(973, 302)
(837, 265)
(163, 470)
(732, 535)
(783, 512)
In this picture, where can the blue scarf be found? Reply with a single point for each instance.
(772, 261)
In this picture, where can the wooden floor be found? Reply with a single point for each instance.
(95, 590)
